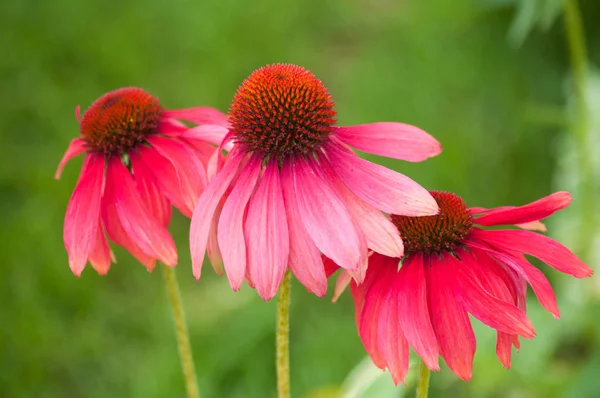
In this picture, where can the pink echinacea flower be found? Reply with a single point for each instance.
(139, 160)
(453, 268)
(292, 188)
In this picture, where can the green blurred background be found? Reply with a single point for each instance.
(489, 79)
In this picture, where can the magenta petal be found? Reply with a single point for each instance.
(191, 175)
(83, 213)
(76, 147)
(198, 115)
(492, 311)
(101, 255)
(305, 260)
(144, 229)
(546, 249)
(149, 191)
(324, 215)
(531, 212)
(414, 312)
(379, 186)
(266, 233)
(394, 140)
(206, 207)
(231, 223)
(449, 319)
(206, 133)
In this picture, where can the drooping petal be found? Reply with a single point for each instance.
(324, 216)
(206, 207)
(198, 115)
(212, 248)
(149, 191)
(191, 174)
(76, 147)
(483, 305)
(394, 140)
(305, 260)
(528, 213)
(101, 255)
(83, 213)
(231, 223)
(379, 186)
(449, 319)
(546, 249)
(414, 311)
(143, 228)
(266, 233)
(504, 348)
(206, 133)
(341, 283)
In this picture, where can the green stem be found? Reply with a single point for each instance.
(283, 338)
(183, 337)
(581, 127)
(423, 383)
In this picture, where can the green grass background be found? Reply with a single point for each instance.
(443, 65)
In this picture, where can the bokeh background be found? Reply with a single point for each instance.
(490, 79)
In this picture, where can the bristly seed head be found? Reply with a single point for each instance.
(280, 110)
(120, 120)
(433, 234)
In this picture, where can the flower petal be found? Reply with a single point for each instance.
(143, 228)
(198, 115)
(414, 312)
(324, 215)
(341, 283)
(305, 259)
(206, 133)
(266, 233)
(531, 212)
(149, 191)
(231, 223)
(449, 319)
(191, 175)
(83, 213)
(76, 147)
(381, 187)
(101, 255)
(546, 249)
(206, 207)
(394, 140)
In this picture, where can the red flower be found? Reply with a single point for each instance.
(139, 159)
(292, 187)
(453, 268)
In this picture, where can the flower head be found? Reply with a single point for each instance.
(139, 159)
(452, 268)
(292, 188)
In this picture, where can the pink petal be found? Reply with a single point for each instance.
(149, 191)
(206, 133)
(199, 115)
(381, 187)
(191, 175)
(231, 223)
(305, 259)
(266, 233)
(212, 249)
(115, 230)
(101, 255)
(483, 305)
(540, 285)
(394, 140)
(414, 312)
(390, 337)
(504, 348)
(324, 215)
(546, 249)
(206, 207)
(449, 319)
(76, 147)
(143, 228)
(171, 127)
(83, 213)
(531, 212)
(341, 283)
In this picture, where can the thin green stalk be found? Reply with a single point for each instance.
(283, 338)
(423, 383)
(183, 337)
(581, 127)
